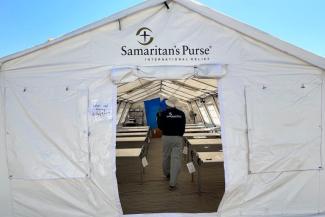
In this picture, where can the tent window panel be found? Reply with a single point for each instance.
(284, 128)
(125, 113)
(214, 115)
(204, 115)
(120, 111)
(47, 133)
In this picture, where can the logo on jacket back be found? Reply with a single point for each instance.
(144, 36)
(170, 115)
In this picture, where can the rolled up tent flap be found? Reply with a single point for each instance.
(123, 74)
(210, 71)
(132, 73)
(165, 72)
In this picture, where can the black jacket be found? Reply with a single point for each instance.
(171, 122)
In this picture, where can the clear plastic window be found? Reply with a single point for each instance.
(204, 115)
(214, 115)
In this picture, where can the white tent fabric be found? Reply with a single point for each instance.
(58, 159)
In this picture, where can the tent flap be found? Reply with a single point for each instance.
(274, 114)
(39, 147)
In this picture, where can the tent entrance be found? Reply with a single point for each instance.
(145, 190)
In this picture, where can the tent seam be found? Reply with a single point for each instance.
(5, 139)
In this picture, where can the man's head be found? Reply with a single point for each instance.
(172, 101)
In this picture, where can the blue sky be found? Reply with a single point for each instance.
(24, 23)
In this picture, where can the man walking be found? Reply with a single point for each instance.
(172, 124)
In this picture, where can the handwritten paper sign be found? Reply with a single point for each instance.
(101, 111)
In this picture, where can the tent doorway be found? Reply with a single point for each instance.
(141, 183)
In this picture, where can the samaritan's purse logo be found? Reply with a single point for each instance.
(144, 36)
(155, 52)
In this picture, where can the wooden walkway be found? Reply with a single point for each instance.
(153, 195)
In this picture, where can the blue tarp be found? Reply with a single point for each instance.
(163, 105)
(152, 107)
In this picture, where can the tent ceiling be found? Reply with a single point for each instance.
(165, 95)
(129, 87)
(185, 90)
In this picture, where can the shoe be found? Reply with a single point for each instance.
(172, 188)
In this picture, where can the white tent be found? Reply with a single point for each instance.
(58, 159)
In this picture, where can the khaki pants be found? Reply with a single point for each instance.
(172, 157)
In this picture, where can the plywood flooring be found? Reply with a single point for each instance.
(153, 195)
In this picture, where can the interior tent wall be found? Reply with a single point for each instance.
(83, 62)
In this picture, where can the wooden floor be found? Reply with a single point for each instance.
(153, 195)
